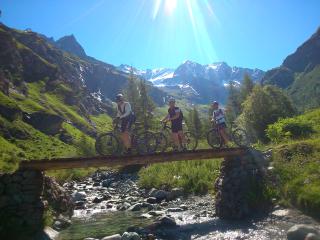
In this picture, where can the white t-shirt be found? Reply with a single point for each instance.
(124, 110)
(218, 116)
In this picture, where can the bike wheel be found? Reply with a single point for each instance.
(146, 143)
(191, 141)
(240, 138)
(107, 144)
(213, 139)
(162, 142)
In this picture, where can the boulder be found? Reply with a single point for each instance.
(130, 236)
(112, 237)
(79, 196)
(312, 236)
(174, 193)
(159, 194)
(151, 200)
(136, 207)
(47, 123)
(300, 231)
(167, 221)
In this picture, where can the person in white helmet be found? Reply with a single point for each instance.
(126, 116)
(218, 117)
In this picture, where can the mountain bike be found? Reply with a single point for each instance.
(164, 139)
(142, 142)
(236, 135)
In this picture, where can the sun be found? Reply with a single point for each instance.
(170, 6)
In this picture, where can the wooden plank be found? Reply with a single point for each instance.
(112, 161)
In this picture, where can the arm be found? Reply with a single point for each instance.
(166, 118)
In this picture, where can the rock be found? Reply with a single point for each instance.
(130, 236)
(184, 207)
(90, 238)
(79, 196)
(167, 221)
(151, 200)
(97, 200)
(107, 182)
(151, 237)
(159, 194)
(45, 122)
(175, 193)
(61, 223)
(48, 234)
(136, 207)
(300, 231)
(112, 237)
(312, 236)
(175, 210)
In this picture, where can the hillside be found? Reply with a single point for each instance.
(299, 74)
(46, 109)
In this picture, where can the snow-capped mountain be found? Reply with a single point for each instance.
(195, 81)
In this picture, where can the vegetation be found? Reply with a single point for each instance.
(263, 107)
(192, 176)
(296, 161)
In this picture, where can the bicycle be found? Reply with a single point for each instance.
(109, 143)
(164, 139)
(237, 135)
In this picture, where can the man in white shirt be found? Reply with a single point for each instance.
(219, 119)
(125, 115)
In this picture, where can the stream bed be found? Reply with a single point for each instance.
(117, 205)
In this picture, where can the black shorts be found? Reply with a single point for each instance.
(126, 124)
(176, 126)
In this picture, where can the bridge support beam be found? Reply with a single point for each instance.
(21, 207)
(240, 187)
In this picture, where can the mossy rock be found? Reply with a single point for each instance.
(47, 123)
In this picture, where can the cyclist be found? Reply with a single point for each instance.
(218, 118)
(126, 117)
(175, 115)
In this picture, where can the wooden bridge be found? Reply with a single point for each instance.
(112, 161)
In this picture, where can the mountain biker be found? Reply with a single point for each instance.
(175, 115)
(219, 119)
(126, 117)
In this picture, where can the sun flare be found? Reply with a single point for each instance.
(170, 6)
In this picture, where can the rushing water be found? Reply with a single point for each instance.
(101, 225)
(272, 226)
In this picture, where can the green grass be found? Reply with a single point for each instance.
(103, 122)
(297, 170)
(296, 161)
(192, 176)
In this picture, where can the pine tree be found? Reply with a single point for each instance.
(246, 88)
(132, 91)
(146, 106)
(233, 108)
(194, 122)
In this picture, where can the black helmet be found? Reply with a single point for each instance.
(172, 100)
(119, 97)
(215, 102)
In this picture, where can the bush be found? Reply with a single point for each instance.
(289, 128)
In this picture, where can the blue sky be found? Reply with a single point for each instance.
(164, 33)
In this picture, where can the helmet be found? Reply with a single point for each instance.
(172, 100)
(215, 102)
(119, 97)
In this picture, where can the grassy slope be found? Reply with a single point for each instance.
(38, 145)
(297, 166)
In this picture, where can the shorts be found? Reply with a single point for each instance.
(126, 124)
(221, 125)
(176, 127)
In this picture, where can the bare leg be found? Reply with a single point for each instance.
(182, 139)
(175, 138)
(224, 135)
(125, 137)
